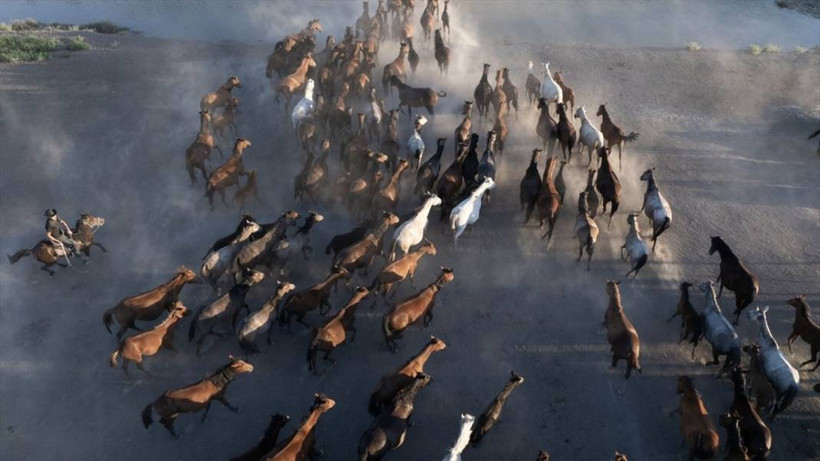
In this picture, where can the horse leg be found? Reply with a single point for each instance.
(590, 250)
(168, 422)
(328, 357)
(139, 365)
(620, 153)
(580, 252)
(125, 368)
(207, 409)
(221, 399)
(95, 244)
(47, 268)
(222, 196)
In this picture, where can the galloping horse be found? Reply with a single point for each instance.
(45, 252)
(734, 276)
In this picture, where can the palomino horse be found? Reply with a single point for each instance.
(655, 206)
(293, 82)
(387, 432)
(734, 276)
(200, 150)
(228, 173)
(696, 426)
(400, 269)
(492, 414)
(148, 306)
(613, 134)
(227, 120)
(302, 444)
(465, 128)
(221, 96)
(620, 333)
(805, 327)
(777, 369)
(391, 384)
(148, 343)
(718, 331)
(465, 426)
(411, 310)
(195, 397)
(44, 251)
(268, 441)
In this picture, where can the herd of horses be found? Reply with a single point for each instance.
(367, 181)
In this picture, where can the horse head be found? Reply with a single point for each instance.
(515, 378)
(601, 110)
(322, 403)
(581, 113)
(717, 244)
(612, 288)
(187, 274)
(648, 175)
(179, 310)
(233, 81)
(707, 286)
(283, 288)
(758, 313)
(90, 221)
(685, 385)
(239, 366)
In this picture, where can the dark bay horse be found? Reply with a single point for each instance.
(734, 276)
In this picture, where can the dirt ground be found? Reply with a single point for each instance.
(104, 132)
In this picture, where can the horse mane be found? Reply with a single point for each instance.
(223, 376)
(408, 393)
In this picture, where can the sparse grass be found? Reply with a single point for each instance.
(14, 48)
(24, 24)
(105, 27)
(800, 49)
(62, 26)
(77, 43)
(693, 46)
(755, 50)
(5, 27)
(771, 49)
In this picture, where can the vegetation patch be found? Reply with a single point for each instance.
(693, 46)
(16, 48)
(24, 24)
(771, 49)
(77, 43)
(755, 49)
(104, 27)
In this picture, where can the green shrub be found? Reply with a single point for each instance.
(77, 43)
(5, 27)
(772, 49)
(31, 48)
(755, 50)
(693, 46)
(24, 24)
(105, 27)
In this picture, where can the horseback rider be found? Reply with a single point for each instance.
(59, 234)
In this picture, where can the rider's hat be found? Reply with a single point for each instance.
(51, 212)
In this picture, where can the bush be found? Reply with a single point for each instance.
(21, 49)
(77, 44)
(693, 46)
(755, 50)
(772, 49)
(24, 24)
(105, 27)
(800, 49)
(5, 27)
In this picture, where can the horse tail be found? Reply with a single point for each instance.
(374, 404)
(442, 94)
(147, 419)
(114, 356)
(17, 256)
(787, 399)
(108, 319)
(388, 333)
(661, 229)
(631, 137)
(194, 320)
(312, 348)
(640, 263)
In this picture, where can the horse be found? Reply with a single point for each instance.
(613, 134)
(442, 54)
(634, 249)
(257, 323)
(290, 84)
(620, 333)
(592, 197)
(317, 296)
(246, 191)
(395, 69)
(696, 426)
(546, 128)
(608, 184)
(532, 86)
(427, 174)
(225, 249)
(200, 150)
(195, 397)
(228, 173)
(221, 96)
(804, 327)
(692, 325)
(412, 309)
(334, 332)
(387, 432)
(483, 94)
(387, 198)
(758, 386)
(390, 385)
(268, 440)
(734, 276)
(360, 255)
(549, 202)
(735, 448)
(400, 269)
(465, 424)
(411, 232)
(464, 129)
(450, 183)
(467, 212)
(568, 95)
(718, 331)
(777, 369)
(428, 22)
(149, 305)
(590, 137)
(415, 143)
(135, 348)
(302, 444)
(511, 91)
(499, 97)
(83, 234)
(226, 120)
(655, 206)
(566, 133)
(486, 167)
(492, 414)
(304, 108)
(530, 186)
(585, 230)
(753, 431)
(550, 90)
(445, 21)
(262, 249)
(416, 97)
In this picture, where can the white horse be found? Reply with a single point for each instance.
(655, 206)
(634, 249)
(304, 108)
(259, 322)
(415, 145)
(463, 439)
(374, 116)
(590, 137)
(783, 377)
(217, 262)
(550, 90)
(466, 213)
(718, 331)
(411, 232)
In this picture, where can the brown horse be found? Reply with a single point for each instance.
(428, 22)
(567, 94)
(620, 333)
(546, 128)
(735, 448)
(613, 134)
(586, 231)
(465, 128)
(412, 309)
(442, 54)
(387, 198)
(135, 348)
(492, 414)
(692, 327)
(416, 97)
(511, 91)
(549, 202)
(396, 68)
(228, 173)
(696, 426)
(268, 441)
(566, 133)
(247, 191)
(755, 434)
(483, 93)
(317, 296)
(759, 387)
(592, 197)
(226, 120)
(148, 306)
(293, 82)
(195, 397)
(360, 255)
(608, 184)
(200, 150)
(334, 332)
(390, 385)
(450, 182)
(499, 97)
(401, 269)
(44, 251)
(734, 276)
(221, 96)
(302, 444)
(805, 327)
(530, 186)
(387, 432)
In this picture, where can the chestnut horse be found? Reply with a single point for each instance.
(391, 384)
(228, 173)
(334, 332)
(620, 333)
(195, 397)
(696, 426)
(44, 251)
(221, 96)
(302, 444)
(293, 82)
(409, 311)
(135, 348)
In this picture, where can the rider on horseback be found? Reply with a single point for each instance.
(59, 234)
